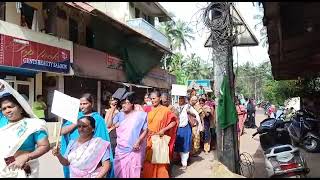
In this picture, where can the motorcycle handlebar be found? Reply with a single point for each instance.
(253, 135)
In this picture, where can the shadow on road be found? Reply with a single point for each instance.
(176, 171)
(193, 159)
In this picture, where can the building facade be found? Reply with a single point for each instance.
(77, 47)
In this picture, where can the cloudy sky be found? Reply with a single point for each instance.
(191, 11)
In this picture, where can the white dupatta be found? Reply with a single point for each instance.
(19, 98)
(14, 134)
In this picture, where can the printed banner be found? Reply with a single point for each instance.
(17, 52)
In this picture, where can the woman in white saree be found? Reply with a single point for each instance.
(24, 136)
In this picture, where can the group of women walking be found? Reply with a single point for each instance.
(85, 148)
(119, 145)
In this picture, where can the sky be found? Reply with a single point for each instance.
(190, 12)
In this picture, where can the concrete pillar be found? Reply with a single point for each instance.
(38, 87)
(61, 83)
(31, 89)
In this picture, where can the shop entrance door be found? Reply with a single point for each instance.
(25, 88)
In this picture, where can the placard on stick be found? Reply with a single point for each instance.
(179, 90)
(65, 106)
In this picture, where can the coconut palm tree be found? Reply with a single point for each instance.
(178, 33)
(167, 28)
(181, 35)
(195, 67)
(177, 67)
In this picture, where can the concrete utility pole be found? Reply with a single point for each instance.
(227, 140)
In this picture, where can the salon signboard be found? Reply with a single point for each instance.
(17, 52)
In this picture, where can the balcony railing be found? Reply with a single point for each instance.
(141, 25)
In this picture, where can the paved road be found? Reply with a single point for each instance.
(199, 167)
(50, 166)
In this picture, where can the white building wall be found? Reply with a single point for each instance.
(117, 10)
(12, 15)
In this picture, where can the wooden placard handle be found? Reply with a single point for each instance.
(59, 132)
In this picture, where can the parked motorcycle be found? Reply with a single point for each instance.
(304, 130)
(281, 158)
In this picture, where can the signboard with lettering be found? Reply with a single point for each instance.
(197, 83)
(16, 52)
(114, 62)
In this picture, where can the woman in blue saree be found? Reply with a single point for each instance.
(69, 130)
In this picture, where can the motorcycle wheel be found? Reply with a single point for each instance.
(311, 145)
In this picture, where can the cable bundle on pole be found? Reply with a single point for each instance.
(223, 29)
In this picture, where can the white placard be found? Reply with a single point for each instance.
(179, 90)
(65, 106)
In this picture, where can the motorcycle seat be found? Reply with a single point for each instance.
(282, 146)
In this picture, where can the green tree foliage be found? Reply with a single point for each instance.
(190, 67)
(257, 82)
(176, 67)
(178, 33)
(197, 69)
(278, 91)
(184, 68)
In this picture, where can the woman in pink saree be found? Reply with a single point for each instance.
(131, 126)
(87, 156)
(242, 116)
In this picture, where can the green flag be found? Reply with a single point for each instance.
(227, 115)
